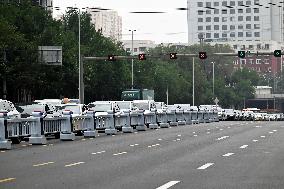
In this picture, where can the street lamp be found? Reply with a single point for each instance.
(132, 31)
(213, 71)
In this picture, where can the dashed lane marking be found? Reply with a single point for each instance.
(2, 151)
(223, 137)
(262, 136)
(221, 129)
(274, 130)
(42, 164)
(154, 145)
(120, 153)
(179, 135)
(132, 145)
(98, 152)
(7, 180)
(254, 140)
(271, 132)
(74, 164)
(228, 154)
(168, 185)
(205, 166)
(244, 146)
(160, 139)
(208, 132)
(195, 135)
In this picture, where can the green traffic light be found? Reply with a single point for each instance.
(241, 54)
(277, 53)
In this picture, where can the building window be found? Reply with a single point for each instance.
(200, 12)
(208, 11)
(250, 47)
(257, 26)
(266, 46)
(208, 19)
(248, 3)
(240, 34)
(216, 11)
(266, 61)
(224, 35)
(240, 18)
(248, 34)
(248, 26)
(232, 3)
(128, 49)
(232, 19)
(208, 35)
(232, 27)
(216, 19)
(235, 46)
(200, 28)
(208, 27)
(248, 10)
(199, 4)
(243, 47)
(135, 49)
(250, 61)
(224, 19)
(216, 27)
(240, 27)
(224, 27)
(224, 11)
(224, 3)
(240, 3)
(258, 46)
(200, 19)
(216, 4)
(256, 18)
(208, 4)
(256, 10)
(248, 18)
(232, 34)
(257, 34)
(142, 49)
(216, 35)
(258, 61)
(240, 11)
(232, 11)
(243, 61)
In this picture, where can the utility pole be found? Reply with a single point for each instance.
(193, 82)
(132, 53)
(81, 67)
(4, 76)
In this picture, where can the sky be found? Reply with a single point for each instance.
(169, 27)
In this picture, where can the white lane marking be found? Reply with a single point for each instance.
(42, 164)
(98, 152)
(160, 139)
(73, 164)
(205, 166)
(217, 127)
(258, 126)
(98, 135)
(208, 129)
(271, 132)
(168, 185)
(153, 145)
(274, 130)
(254, 140)
(7, 180)
(223, 137)
(229, 127)
(243, 146)
(221, 129)
(262, 136)
(193, 132)
(178, 139)
(179, 135)
(24, 145)
(2, 151)
(91, 138)
(195, 135)
(208, 132)
(120, 153)
(228, 154)
(136, 132)
(83, 139)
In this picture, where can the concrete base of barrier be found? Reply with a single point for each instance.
(67, 136)
(195, 122)
(181, 123)
(173, 124)
(153, 126)
(127, 129)
(206, 121)
(110, 131)
(141, 128)
(90, 134)
(37, 140)
(164, 125)
(5, 145)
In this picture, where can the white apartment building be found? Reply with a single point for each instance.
(108, 22)
(47, 4)
(139, 46)
(236, 21)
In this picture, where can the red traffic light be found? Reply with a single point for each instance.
(142, 56)
(173, 55)
(202, 55)
(111, 58)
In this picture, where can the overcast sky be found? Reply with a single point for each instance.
(169, 27)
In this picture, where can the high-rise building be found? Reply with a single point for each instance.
(235, 20)
(47, 4)
(109, 23)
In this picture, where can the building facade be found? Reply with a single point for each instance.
(139, 46)
(47, 4)
(109, 23)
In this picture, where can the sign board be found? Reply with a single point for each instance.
(50, 55)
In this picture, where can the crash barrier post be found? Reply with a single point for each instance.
(151, 119)
(67, 127)
(137, 120)
(162, 119)
(37, 133)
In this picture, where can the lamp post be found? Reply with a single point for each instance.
(193, 87)
(81, 67)
(132, 31)
(213, 88)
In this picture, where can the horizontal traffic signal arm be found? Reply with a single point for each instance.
(166, 56)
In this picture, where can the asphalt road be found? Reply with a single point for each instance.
(216, 155)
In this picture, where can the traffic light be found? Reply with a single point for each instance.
(111, 58)
(202, 55)
(142, 56)
(173, 55)
(277, 53)
(241, 54)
